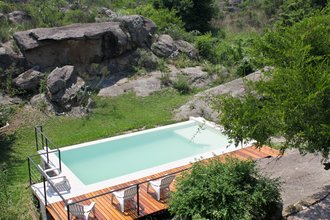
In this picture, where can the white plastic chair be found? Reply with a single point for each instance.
(61, 183)
(160, 185)
(81, 211)
(124, 196)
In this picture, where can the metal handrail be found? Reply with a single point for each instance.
(123, 188)
(46, 178)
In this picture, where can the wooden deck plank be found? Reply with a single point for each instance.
(148, 204)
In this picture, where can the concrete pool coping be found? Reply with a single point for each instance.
(79, 188)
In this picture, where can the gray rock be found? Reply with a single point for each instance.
(140, 29)
(9, 57)
(164, 46)
(61, 78)
(143, 86)
(64, 86)
(186, 48)
(197, 77)
(29, 80)
(41, 102)
(82, 44)
(19, 17)
(201, 104)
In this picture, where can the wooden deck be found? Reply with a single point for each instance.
(148, 204)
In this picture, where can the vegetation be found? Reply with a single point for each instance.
(293, 100)
(110, 117)
(233, 189)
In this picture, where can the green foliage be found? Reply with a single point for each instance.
(293, 100)
(230, 190)
(47, 13)
(165, 19)
(5, 113)
(182, 85)
(190, 11)
(205, 45)
(78, 16)
(292, 11)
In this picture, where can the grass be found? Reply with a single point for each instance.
(111, 116)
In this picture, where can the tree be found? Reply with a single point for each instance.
(230, 190)
(195, 14)
(293, 100)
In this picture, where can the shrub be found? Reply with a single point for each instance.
(230, 190)
(182, 85)
(205, 45)
(5, 112)
(162, 17)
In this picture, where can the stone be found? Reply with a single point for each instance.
(197, 77)
(18, 17)
(41, 102)
(29, 80)
(186, 48)
(164, 46)
(64, 86)
(10, 57)
(140, 29)
(81, 44)
(201, 104)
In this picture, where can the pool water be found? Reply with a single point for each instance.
(122, 156)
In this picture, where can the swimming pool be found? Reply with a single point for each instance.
(142, 150)
(104, 163)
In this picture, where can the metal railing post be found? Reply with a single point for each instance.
(68, 211)
(138, 200)
(59, 160)
(36, 136)
(29, 166)
(47, 151)
(45, 195)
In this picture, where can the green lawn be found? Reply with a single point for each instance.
(111, 116)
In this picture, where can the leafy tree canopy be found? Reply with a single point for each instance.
(293, 100)
(230, 190)
(195, 14)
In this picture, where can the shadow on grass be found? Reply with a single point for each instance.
(6, 143)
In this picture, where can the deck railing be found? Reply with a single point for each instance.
(123, 188)
(36, 174)
(35, 177)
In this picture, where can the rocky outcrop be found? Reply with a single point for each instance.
(152, 82)
(201, 104)
(63, 86)
(165, 46)
(85, 43)
(9, 57)
(19, 17)
(29, 80)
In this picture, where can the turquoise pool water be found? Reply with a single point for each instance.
(114, 158)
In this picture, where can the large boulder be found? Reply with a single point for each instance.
(10, 57)
(81, 44)
(29, 80)
(19, 17)
(165, 46)
(63, 86)
(202, 103)
(140, 29)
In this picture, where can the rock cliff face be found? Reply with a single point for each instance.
(84, 43)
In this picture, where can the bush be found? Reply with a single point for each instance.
(182, 85)
(5, 112)
(162, 17)
(205, 45)
(230, 190)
